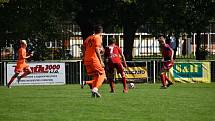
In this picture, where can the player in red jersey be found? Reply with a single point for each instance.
(21, 65)
(167, 62)
(113, 55)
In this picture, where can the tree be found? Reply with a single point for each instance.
(35, 20)
(199, 14)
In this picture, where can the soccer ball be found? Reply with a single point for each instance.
(131, 86)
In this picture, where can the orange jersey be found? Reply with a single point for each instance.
(21, 62)
(90, 45)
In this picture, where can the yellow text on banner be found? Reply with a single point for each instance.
(191, 72)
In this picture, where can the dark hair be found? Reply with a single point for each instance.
(98, 29)
(112, 40)
(161, 35)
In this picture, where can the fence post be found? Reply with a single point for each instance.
(194, 44)
(154, 72)
(147, 79)
(80, 79)
(5, 73)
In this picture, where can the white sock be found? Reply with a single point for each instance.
(95, 89)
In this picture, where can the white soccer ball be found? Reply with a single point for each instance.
(131, 86)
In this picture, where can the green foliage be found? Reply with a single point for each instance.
(43, 19)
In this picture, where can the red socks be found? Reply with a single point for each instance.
(163, 79)
(124, 83)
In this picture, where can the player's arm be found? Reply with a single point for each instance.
(98, 45)
(123, 58)
(98, 49)
(106, 54)
(172, 54)
(23, 55)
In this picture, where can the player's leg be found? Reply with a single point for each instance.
(27, 71)
(120, 70)
(169, 81)
(110, 76)
(164, 68)
(89, 83)
(111, 82)
(99, 78)
(18, 69)
(12, 79)
(163, 79)
(93, 70)
(96, 84)
(168, 65)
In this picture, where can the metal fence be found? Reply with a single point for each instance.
(145, 46)
(2, 73)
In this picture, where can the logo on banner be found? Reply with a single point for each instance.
(186, 70)
(42, 74)
(134, 73)
(51, 68)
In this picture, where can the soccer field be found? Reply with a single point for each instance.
(180, 102)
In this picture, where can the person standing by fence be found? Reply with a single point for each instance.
(167, 62)
(173, 43)
(93, 61)
(21, 64)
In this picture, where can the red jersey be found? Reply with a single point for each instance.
(167, 52)
(113, 52)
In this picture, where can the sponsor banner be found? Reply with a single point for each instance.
(134, 73)
(191, 72)
(42, 74)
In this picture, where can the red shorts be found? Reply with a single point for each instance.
(118, 66)
(167, 65)
(93, 68)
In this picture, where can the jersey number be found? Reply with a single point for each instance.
(111, 50)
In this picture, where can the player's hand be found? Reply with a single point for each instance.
(31, 54)
(172, 60)
(162, 60)
(103, 65)
(126, 66)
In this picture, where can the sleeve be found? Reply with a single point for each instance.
(98, 42)
(120, 50)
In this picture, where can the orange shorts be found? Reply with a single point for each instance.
(21, 67)
(94, 68)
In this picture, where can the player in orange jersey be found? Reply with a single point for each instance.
(21, 65)
(93, 61)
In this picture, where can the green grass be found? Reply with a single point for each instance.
(181, 102)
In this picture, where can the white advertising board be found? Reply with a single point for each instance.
(42, 74)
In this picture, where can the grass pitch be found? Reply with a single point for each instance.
(180, 102)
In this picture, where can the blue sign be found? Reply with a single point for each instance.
(188, 70)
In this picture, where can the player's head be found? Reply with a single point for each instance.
(161, 40)
(112, 40)
(23, 43)
(98, 29)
